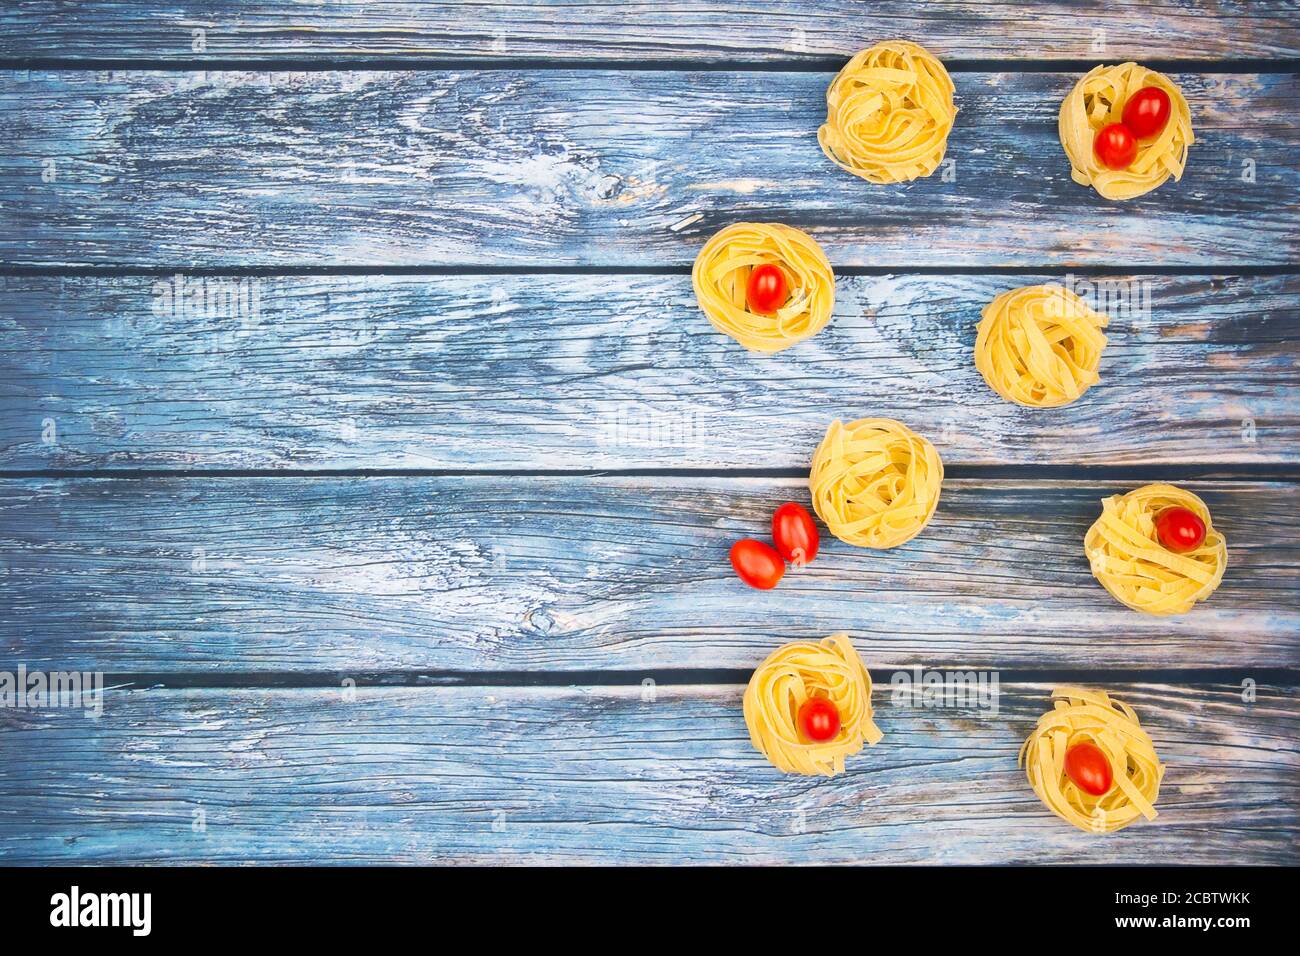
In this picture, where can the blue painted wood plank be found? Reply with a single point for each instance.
(352, 576)
(607, 168)
(596, 32)
(590, 372)
(610, 775)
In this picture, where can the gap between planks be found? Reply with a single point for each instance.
(684, 677)
(1027, 473)
(129, 271)
(402, 64)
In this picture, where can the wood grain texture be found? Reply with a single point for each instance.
(587, 372)
(596, 168)
(601, 775)
(706, 30)
(542, 137)
(353, 575)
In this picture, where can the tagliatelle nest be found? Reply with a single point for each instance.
(1130, 562)
(721, 280)
(875, 482)
(792, 674)
(1084, 716)
(1039, 346)
(1098, 100)
(889, 113)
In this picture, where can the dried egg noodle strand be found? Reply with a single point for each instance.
(1098, 100)
(889, 113)
(721, 280)
(792, 674)
(1039, 345)
(875, 482)
(1130, 562)
(1084, 716)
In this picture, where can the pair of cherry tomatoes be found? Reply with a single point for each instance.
(767, 289)
(1145, 115)
(795, 535)
(1089, 768)
(1180, 529)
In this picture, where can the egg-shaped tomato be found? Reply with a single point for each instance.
(1089, 768)
(795, 534)
(818, 719)
(1180, 529)
(757, 564)
(767, 289)
(1147, 112)
(1115, 146)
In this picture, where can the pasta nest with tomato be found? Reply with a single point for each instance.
(889, 113)
(1098, 100)
(721, 279)
(875, 482)
(1039, 345)
(1128, 559)
(1083, 716)
(790, 676)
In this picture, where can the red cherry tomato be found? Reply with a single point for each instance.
(766, 292)
(1115, 146)
(757, 564)
(1147, 112)
(795, 534)
(818, 719)
(1088, 767)
(1180, 529)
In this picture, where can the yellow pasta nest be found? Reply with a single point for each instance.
(721, 279)
(888, 114)
(1084, 716)
(1039, 345)
(1128, 559)
(1098, 100)
(875, 482)
(792, 674)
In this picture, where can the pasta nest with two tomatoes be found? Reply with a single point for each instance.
(1098, 100)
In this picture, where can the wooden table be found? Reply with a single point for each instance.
(357, 421)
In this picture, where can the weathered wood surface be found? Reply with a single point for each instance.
(356, 575)
(587, 372)
(602, 775)
(596, 168)
(542, 163)
(708, 30)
